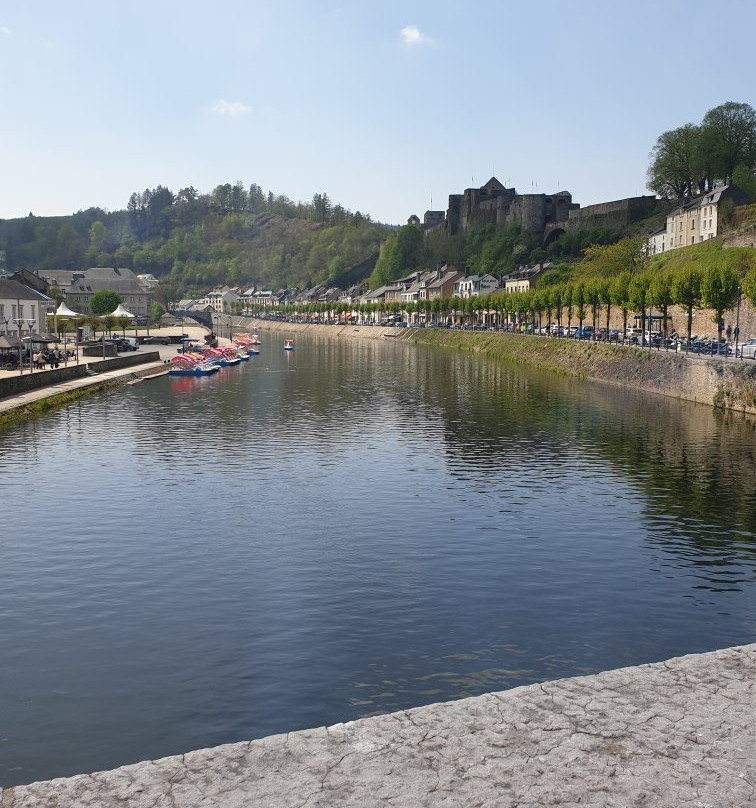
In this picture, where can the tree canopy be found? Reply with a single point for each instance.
(104, 302)
(235, 234)
(689, 160)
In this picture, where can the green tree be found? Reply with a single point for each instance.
(729, 136)
(104, 302)
(321, 207)
(620, 295)
(638, 297)
(745, 179)
(156, 312)
(749, 286)
(686, 292)
(673, 173)
(604, 289)
(97, 235)
(606, 260)
(660, 295)
(579, 300)
(719, 292)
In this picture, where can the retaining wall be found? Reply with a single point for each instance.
(25, 382)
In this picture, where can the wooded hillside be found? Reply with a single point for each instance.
(234, 235)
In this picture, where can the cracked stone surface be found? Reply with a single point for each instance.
(675, 734)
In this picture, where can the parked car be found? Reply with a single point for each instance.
(125, 343)
(748, 349)
(586, 332)
(156, 340)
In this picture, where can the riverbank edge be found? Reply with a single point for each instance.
(669, 734)
(722, 384)
(38, 402)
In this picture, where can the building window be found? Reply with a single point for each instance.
(692, 224)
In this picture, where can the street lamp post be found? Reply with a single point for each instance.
(31, 323)
(737, 322)
(19, 321)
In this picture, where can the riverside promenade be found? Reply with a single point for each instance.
(675, 734)
(153, 363)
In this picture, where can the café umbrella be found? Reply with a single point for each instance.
(121, 312)
(64, 311)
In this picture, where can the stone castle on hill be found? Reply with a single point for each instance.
(543, 217)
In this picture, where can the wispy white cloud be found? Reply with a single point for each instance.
(230, 108)
(4, 31)
(412, 36)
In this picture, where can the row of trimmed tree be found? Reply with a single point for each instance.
(716, 288)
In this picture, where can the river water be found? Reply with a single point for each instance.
(352, 528)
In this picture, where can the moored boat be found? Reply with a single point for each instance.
(288, 345)
(225, 357)
(189, 365)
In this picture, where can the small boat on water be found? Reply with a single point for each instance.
(188, 365)
(244, 344)
(225, 357)
(288, 345)
(247, 339)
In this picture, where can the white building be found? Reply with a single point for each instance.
(475, 286)
(19, 302)
(696, 220)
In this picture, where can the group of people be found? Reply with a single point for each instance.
(51, 357)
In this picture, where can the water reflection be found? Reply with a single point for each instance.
(351, 528)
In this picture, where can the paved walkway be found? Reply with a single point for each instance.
(148, 368)
(677, 734)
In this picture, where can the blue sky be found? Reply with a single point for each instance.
(382, 105)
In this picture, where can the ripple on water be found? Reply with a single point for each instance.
(356, 529)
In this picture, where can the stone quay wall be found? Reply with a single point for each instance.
(674, 734)
(24, 382)
(20, 383)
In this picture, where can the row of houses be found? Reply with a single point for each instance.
(444, 282)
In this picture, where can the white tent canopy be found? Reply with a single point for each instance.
(121, 312)
(64, 311)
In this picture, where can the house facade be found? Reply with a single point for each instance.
(696, 220)
(476, 285)
(524, 279)
(23, 310)
(221, 300)
(443, 284)
(78, 288)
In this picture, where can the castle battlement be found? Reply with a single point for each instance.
(541, 216)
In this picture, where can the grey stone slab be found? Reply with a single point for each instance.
(676, 734)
